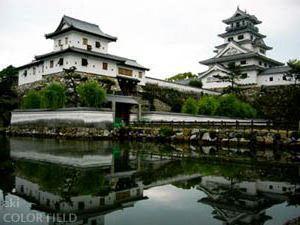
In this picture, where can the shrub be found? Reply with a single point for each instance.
(190, 106)
(196, 83)
(166, 132)
(32, 100)
(91, 94)
(208, 105)
(231, 106)
(54, 96)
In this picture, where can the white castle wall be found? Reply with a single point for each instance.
(95, 66)
(277, 80)
(87, 117)
(180, 117)
(180, 87)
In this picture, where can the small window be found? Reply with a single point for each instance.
(33, 70)
(140, 74)
(241, 37)
(51, 63)
(102, 201)
(84, 41)
(97, 44)
(230, 39)
(266, 65)
(61, 61)
(84, 62)
(59, 42)
(284, 189)
(260, 63)
(243, 62)
(262, 51)
(270, 187)
(284, 77)
(66, 40)
(104, 66)
(25, 73)
(270, 78)
(89, 47)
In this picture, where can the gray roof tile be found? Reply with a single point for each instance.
(275, 70)
(76, 24)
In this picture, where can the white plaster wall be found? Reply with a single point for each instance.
(75, 40)
(30, 189)
(277, 187)
(177, 86)
(251, 77)
(31, 76)
(277, 80)
(85, 116)
(248, 46)
(95, 66)
(235, 37)
(180, 117)
(210, 82)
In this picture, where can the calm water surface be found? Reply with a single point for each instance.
(95, 182)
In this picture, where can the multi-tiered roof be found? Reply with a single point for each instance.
(239, 24)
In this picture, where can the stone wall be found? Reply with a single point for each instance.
(208, 136)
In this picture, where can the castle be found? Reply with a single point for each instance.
(84, 46)
(243, 45)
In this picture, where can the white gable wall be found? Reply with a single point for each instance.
(75, 39)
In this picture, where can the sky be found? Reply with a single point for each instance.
(167, 36)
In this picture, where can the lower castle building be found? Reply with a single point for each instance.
(84, 46)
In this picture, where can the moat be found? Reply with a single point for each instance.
(102, 182)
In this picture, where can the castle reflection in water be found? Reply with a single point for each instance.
(92, 184)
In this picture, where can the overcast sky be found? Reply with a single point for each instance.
(167, 36)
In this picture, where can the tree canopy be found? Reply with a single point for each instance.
(232, 77)
(182, 76)
(91, 94)
(196, 83)
(294, 73)
(190, 106)
(8, 94)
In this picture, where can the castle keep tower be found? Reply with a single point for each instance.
(243, 45)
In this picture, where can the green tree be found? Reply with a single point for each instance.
(181, 76)
(232, 77)
(294, 73)
(91, 94)
(8, 95)
(32, 100)
(54, 96)
(208, 105)
(231, 106)
(190, 106)
(196, 83)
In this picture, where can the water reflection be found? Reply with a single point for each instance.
(95, 180)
